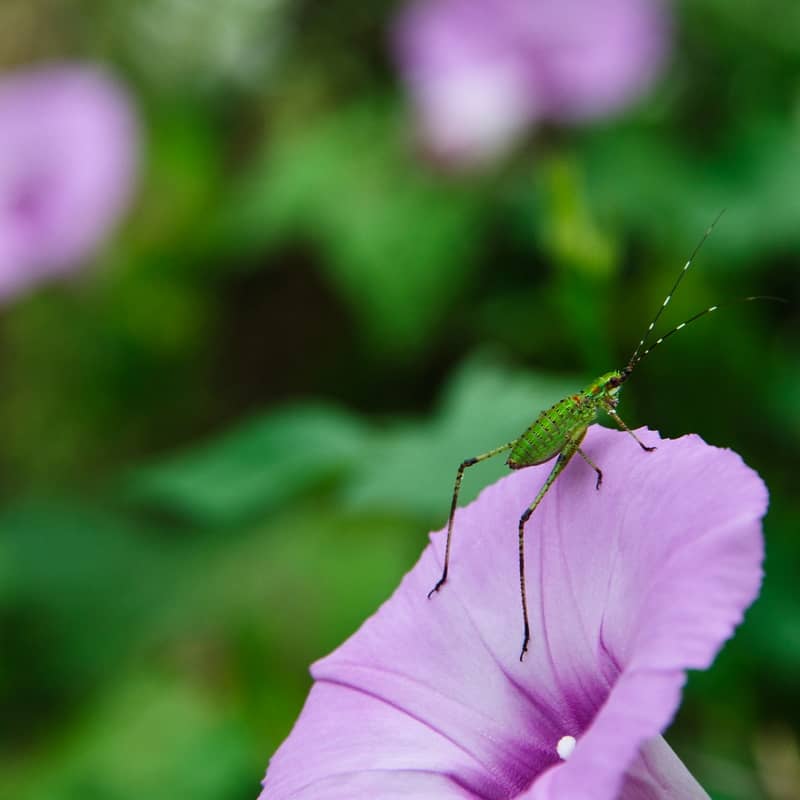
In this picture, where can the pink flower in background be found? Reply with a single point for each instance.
(68, 154)
(628, 588)
(482, 71)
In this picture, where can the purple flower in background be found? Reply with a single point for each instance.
(481, 71)
(68, 152)
(628, 588)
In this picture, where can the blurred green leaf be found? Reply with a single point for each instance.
(80, 589)
(402, 467)
(259, 465)
(183, 179)
(668, 193)
(411, 467)
(152, 737)
(67, 555)
(394, 240)
(566, 225)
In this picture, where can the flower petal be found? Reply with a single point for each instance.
(68, 152)
(480, 71)
(627, 588)
(658, 774)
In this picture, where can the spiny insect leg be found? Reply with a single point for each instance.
(464, 464)
(570, 448)
(593, 466)
(616, 417)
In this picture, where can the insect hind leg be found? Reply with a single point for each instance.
(570, 448)
(469, 462)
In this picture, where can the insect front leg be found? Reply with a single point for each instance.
(616, 417)
(464, 464)
(570, 448)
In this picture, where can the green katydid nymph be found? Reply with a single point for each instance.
(559, 430)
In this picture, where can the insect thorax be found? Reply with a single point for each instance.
(564, 420)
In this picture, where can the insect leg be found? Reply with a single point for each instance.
(464, 464)
(593, 466)
(616, 417)
(570, 448)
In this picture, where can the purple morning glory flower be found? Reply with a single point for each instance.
(481, 71)
(628, 588)
(68, 152)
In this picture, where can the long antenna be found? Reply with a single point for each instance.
(635, 358)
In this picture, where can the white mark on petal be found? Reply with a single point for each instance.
(565, 746)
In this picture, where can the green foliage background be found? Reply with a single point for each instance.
(226, 442)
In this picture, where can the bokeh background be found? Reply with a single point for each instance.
(271, 268)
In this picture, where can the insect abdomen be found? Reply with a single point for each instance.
(548, 434)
